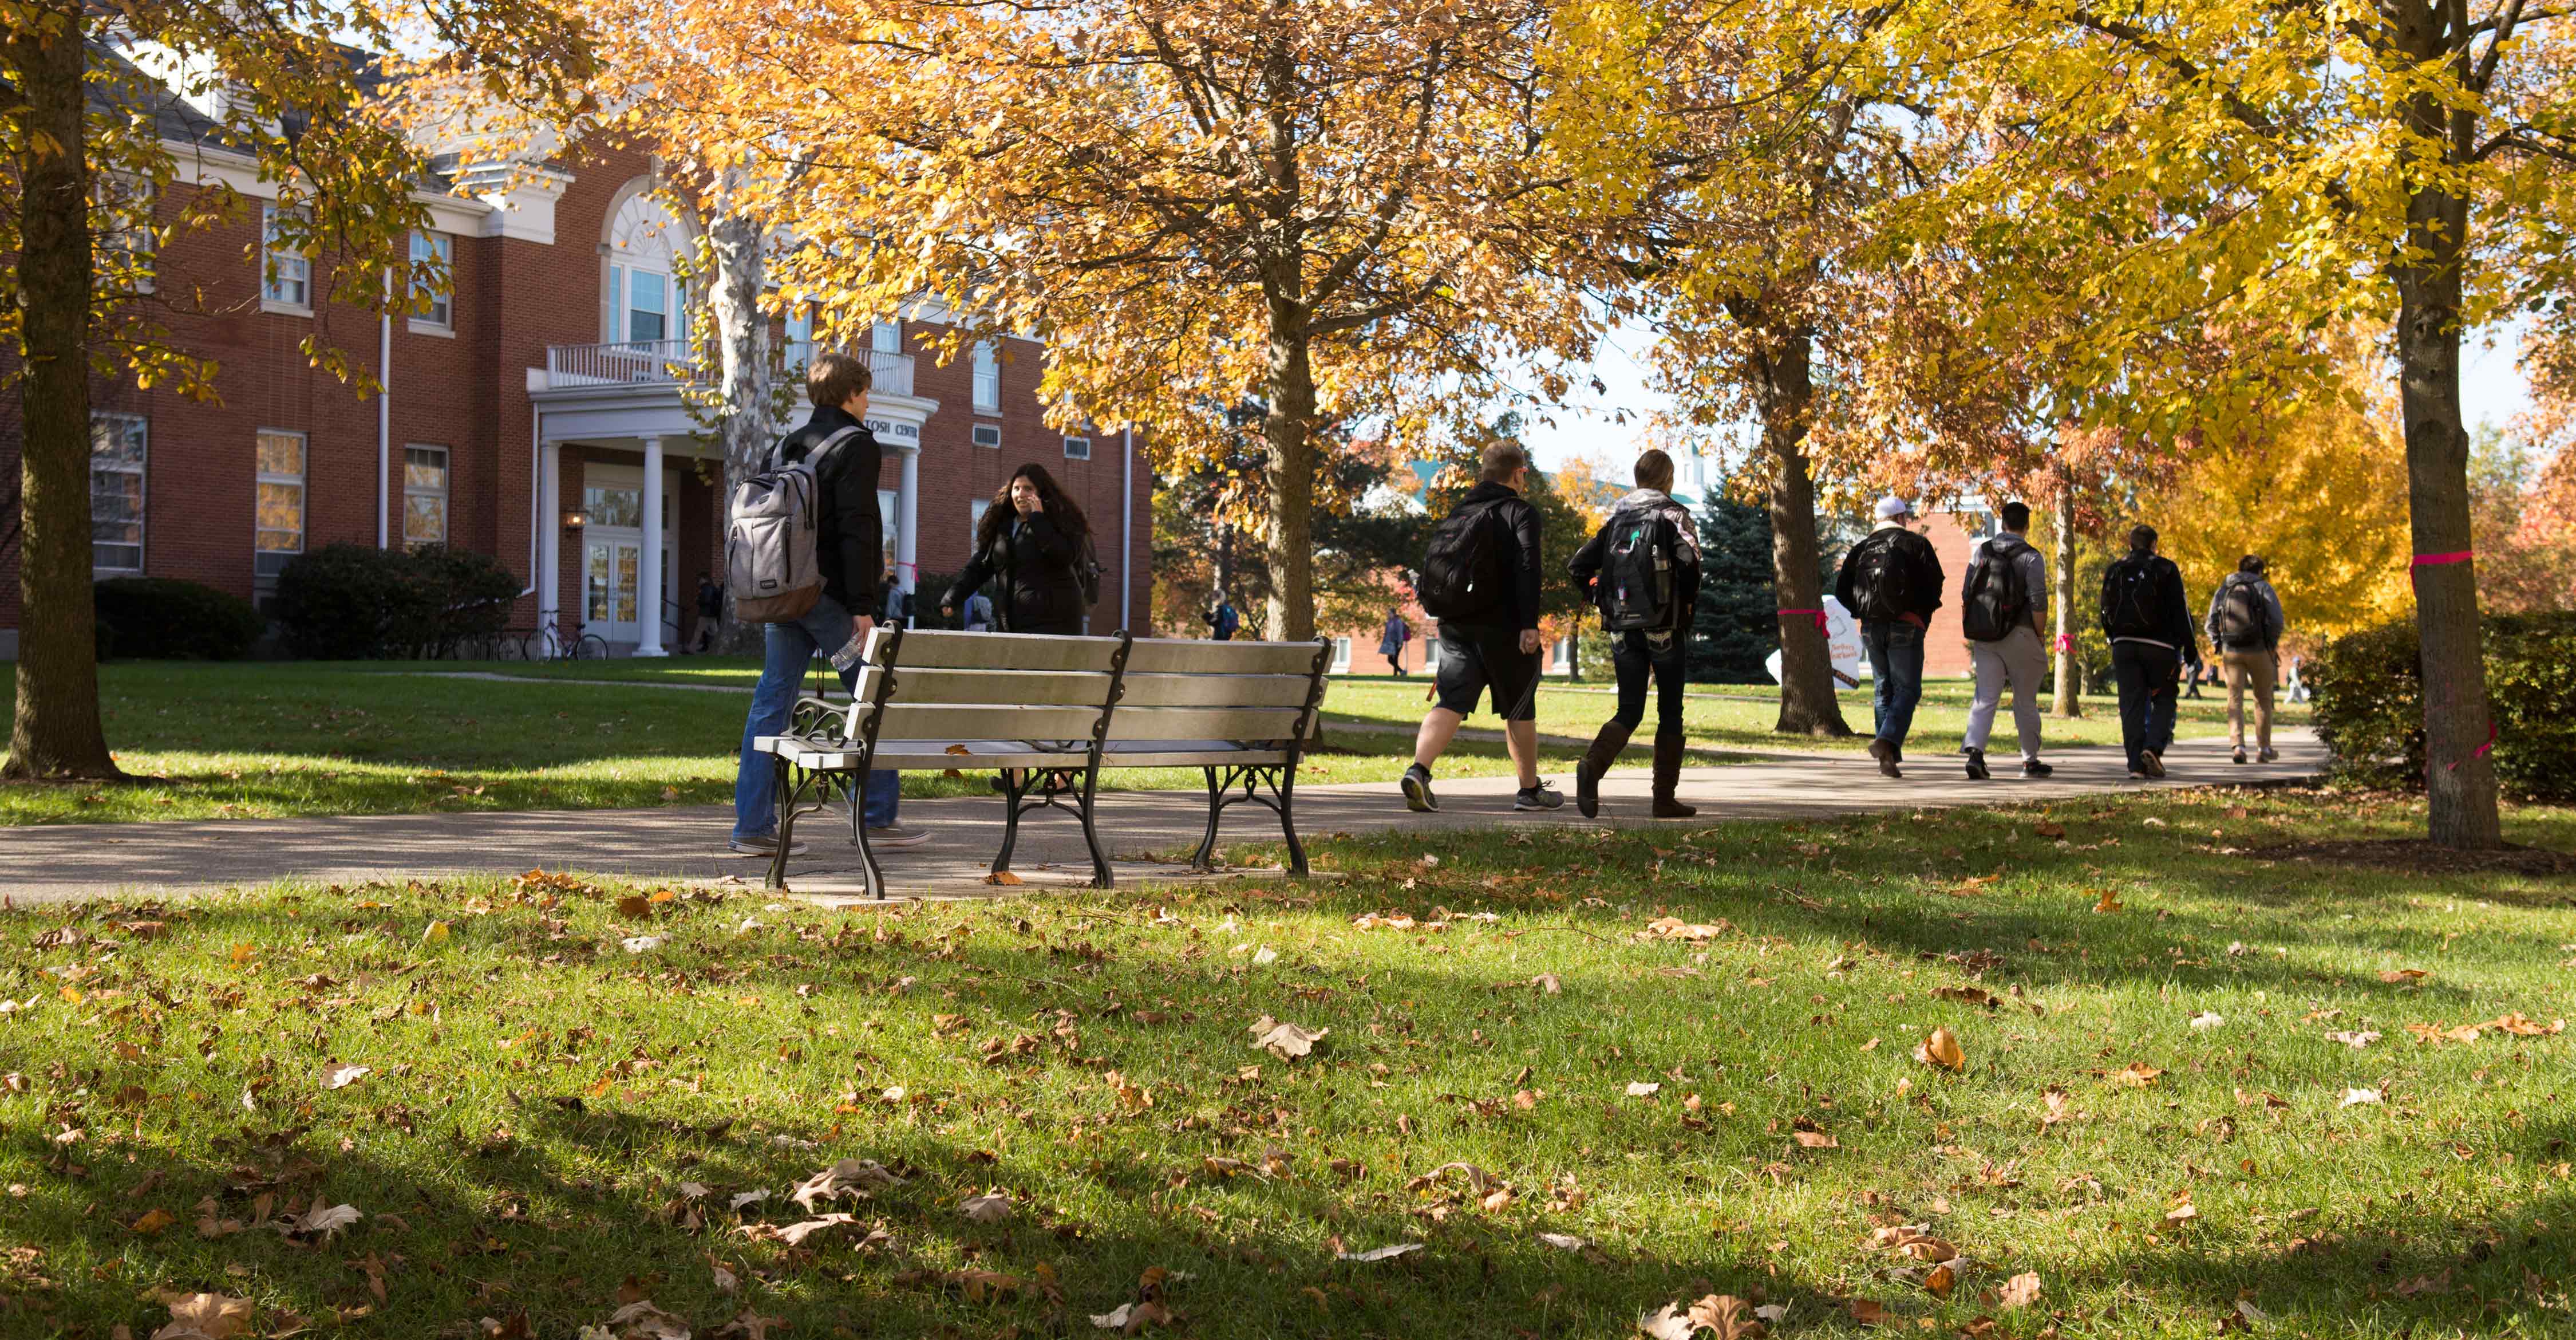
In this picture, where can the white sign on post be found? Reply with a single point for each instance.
(1842, 641)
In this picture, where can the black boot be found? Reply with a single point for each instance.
(1668, 775)
(1596, 761)
(1977, 765)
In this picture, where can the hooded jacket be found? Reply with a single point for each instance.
(1587, 562)
(2267, 601)
(849, 538)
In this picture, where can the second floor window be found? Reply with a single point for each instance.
(431, 305)
(286, 272)
(988, 378)
(116, 452)
(647, 315)
(1077, 448)
(886, 337)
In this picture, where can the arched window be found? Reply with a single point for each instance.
(646, 302)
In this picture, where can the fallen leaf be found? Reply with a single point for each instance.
(1867, 1311)
(1942, 1051)
(1668, 1323)
(2359, 1097)
(1004, 877)
(640, 1320)
(2138, 1074)
(1674, 928)
(2109, 902)
(2047, 829)
(985, 1209)
(1565, 1242)
(153, 1221)
(205, 1316)
(639, 944)
(1387, 1253)
(320, 1220)
(849, 1179)
(1547, 982)
(1638, 1088)
(2354, 1040)
(1285, 1041)
(1726, 1317)
(2207, 1019)
(2407, 976)
(342, 1076)
(1941, 1281)
(2020, 1291)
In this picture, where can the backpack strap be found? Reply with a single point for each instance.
(814, 458)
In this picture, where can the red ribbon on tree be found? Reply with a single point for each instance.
(2438, 560)
(2482, 750)
(1819, 617)
(2066, 642)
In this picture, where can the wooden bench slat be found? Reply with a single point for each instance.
(1196, 656)
(970, 721)
(935, 649)
(1161, 690)
(1203, 723)
(1035, 688)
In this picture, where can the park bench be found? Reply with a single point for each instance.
(1050, 712)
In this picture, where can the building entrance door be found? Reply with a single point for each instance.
(611, 568)
(612, 557)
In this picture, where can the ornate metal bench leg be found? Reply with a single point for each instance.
(1286, 787)
(781, 785)
(868, 861)
(854, 792)
(1014, 783)
(1205, 857)
(1100, 876)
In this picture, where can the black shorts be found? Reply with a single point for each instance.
(1473, 658)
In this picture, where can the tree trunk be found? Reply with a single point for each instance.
(1784, 388)
(745, 409)
(54, 731)
(2070, 672)
(2460, 780)
(1289, 431)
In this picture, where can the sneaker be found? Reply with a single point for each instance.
(1885, 753)
(2031, 767)
(2268, 755)
(2152, 763)
(895, 837)
(1417, 790)
(763, 844)
(2137, 775)
(1539, 797)
(2236, 755)
(1977, 766)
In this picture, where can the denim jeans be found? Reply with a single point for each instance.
(1635, 659)
(790, 648)
(1895, 651)
(2147, 675)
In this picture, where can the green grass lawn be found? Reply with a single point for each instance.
(1596, 1074)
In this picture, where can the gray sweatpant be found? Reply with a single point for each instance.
(2021, 661)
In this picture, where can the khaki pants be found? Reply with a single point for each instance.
(2255, 670)
(2021, 661)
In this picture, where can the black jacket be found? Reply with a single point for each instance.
(849, 541)
(1585, 566)
(1923, 570)
(1035, 559)
(1520, 521)
(2169, 610)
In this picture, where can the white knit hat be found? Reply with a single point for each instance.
(1891, 507)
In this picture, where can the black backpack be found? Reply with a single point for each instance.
(1463, 575)
(2242, 620)
(2129, 591)
(1997, 600)
(1086, 572)
(1882, 581)
(1636, 583)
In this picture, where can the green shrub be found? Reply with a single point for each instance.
(2369, 705)
(348, 602)
(161, 619)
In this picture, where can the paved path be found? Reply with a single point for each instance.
(1142, 830)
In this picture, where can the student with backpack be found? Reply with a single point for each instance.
(2001, 604)
(1891, 581)
(801, 554)
(1222, 620)
(2245, 627)
(1641, 570)
(1037, 541)
(1480, 581)
(2149, 625)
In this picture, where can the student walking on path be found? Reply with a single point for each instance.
(1892, 582)
(2245, 627)
(2150, 629)
(1033, 538)
(1641, 570)
(1391, 642)
(1480, 580)
(2001, 603)
(844, 457)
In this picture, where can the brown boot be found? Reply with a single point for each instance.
(1668, 774)
(1596, 761)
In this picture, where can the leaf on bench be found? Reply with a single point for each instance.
(960, 749)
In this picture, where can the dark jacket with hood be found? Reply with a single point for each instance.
(1035, 559)
(849, 535)
(1586, 565)
(1922, 569)
(1519, 520)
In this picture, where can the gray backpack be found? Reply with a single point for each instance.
(771, 568)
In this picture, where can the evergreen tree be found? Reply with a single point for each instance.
(1735, 629)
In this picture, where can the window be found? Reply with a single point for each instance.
(988, 379)
(988, 435)
(1077, 448)
(800, 338)
(116, 451)
(286, 273)
(888, 524)
(433, 279)
(424, 496)
(975, 517)
(126, 244)
(1341, 656)
(887, 338)
(280, 519)
(648, 305)
(609, 505)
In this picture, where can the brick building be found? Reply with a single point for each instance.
(533, 414)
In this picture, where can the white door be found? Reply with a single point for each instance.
(612, 555)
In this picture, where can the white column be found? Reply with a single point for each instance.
(549, 538)
(907, 510)
(648, 587)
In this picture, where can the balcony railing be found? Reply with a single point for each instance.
(670, 362)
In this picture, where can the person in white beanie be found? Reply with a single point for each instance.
(1892, 582)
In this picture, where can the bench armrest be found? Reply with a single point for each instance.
(816, 717)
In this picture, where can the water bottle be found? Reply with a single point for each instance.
(851, 653)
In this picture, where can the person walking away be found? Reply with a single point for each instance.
(979, 613)
(2245, 626)
(2150, 630)
(1480, 580)
(1222, 619)
(1892, 582)
(844, 457)
(896, 603)
(2296, 687)
(1033, 538)
(710, 610)
(1390, 644)
(2192, 670)
(2001, 603)
(1641, 570)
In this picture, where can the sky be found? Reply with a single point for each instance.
(2489, 382)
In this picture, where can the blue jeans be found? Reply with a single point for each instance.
(790, 648)
(1895, 651)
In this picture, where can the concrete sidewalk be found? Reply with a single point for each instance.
(1143, 831)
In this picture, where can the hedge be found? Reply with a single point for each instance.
(350, 602)
(163, 619)
(2369, 706)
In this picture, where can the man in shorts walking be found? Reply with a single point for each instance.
(1480, 581)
